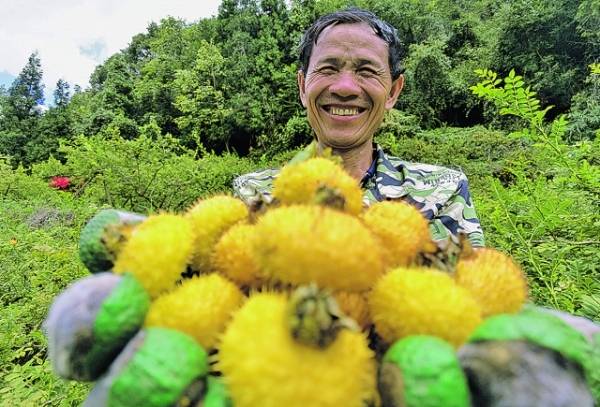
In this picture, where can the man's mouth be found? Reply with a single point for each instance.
(343, 110)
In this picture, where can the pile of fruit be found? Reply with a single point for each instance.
(308, 300)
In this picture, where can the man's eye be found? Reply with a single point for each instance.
(367, 71)
(327, 69)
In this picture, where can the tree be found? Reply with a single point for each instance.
(21, 110)
(202, 105)
(54, 125)
(62, 94)
(588, 21)
(27, 90)
(539, 39)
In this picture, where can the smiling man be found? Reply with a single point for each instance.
(350, 75)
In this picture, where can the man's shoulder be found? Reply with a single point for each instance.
(440, 193)
(422, 175)
(254, 185)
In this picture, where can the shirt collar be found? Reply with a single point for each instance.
(372, 168)
(384, 179)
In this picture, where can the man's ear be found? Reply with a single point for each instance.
(301, 89)
(397, 86)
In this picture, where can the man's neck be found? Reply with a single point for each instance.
(357, 160)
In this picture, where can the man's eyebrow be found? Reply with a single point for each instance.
(363, 62)
(336, 62)
(331, 60)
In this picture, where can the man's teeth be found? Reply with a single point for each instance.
(344, 111)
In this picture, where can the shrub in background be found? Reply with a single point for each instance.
(144, 174)
(547, 219)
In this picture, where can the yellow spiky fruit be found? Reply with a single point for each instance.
(305, 244)
(200, 307)
(302, 183)
(210, 218)
(234, 256)
(494, 279)
(355, 306)
(263, 365)
(401, 228)
(157, 252)
(422, 301)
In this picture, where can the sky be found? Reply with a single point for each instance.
(72, 37)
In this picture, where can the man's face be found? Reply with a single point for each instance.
(348, 85)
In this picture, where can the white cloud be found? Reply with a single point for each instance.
(74, 36)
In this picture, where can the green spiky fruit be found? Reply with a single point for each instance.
(103, 236)
(521, 373)
(158, 252)
(593, 368)
(401, 228)
(591, 331)
(421, 301)
(211, 218)
(157, 368)
(422, 371)
(216, 393)
(538, 327)
(305, 244)
(263, 365)
(91, 321)
(494, 279)
(318, 180)
(234, 256)
(200, 307)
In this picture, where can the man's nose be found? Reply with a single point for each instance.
(345, 85)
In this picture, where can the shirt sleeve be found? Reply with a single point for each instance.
(253, 186)
(458, 216)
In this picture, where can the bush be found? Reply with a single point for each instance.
(584, 117)
(477, 151)
(142, 175)
(40, 229)
(38, 252)
(547, 219)
(295, 133)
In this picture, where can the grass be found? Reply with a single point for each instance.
(550, 228)
(39, 259)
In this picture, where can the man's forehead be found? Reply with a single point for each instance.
(355, 26)
(356, 40)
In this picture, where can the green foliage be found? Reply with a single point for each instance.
(548, 218)
(62, 95)
(141, 175)
(139, 139)
(477, 151)
(40, 226)
(516, 100)
(53, 126)
(427, 78)
(541, 40)
(397, 123)
(27, 91)
(296, 132)
(21, 111)
(258, 39)
(228, 83)
(38, 251)
(203, 109)
(584, 117)
(588, 21)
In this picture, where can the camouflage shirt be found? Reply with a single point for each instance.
(441, 194)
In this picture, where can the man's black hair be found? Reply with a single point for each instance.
(352, 16)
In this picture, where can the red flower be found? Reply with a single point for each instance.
(60, 182)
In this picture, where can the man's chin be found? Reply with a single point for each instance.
(342, 143)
